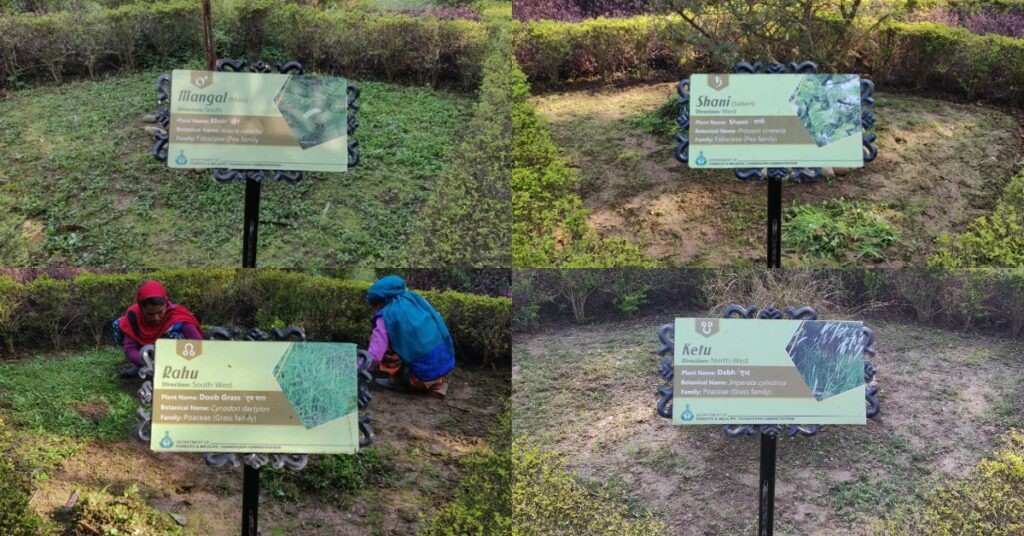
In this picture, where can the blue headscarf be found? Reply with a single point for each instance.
(416, 332)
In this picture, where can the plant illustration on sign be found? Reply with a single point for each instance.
(315, 108)
(319, 382)
(829, 356)
(828, 106)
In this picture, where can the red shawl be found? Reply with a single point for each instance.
(133, 323)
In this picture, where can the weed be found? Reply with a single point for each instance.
(839, 230)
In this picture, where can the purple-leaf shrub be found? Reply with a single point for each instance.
(1008, 24)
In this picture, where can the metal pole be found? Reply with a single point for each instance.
(766, 486)
(766, 482)
(774, 235)
(252, 223)
(250, 476)
(250, 501)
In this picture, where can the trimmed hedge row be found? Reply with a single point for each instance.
(648, 48)
(553, 53)
(549, 221)
(57, 313)
(976, 299)
(465, 222)
(929, 56)
(384, 46)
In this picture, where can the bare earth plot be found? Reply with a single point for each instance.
(419, 442)
(940, 164)
(588, 393)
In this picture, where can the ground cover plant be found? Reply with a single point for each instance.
(944, 184)
(947, 399)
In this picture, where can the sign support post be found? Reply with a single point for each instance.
(773, 251)
(774, 231)
(250, 500)
(251, 223)
(253, 185)
(766, 487)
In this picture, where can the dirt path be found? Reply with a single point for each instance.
(588, 392)
(421, 440)
(940, 164)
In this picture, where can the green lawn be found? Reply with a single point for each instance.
(78, 185)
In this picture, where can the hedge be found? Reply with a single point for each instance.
(605, 50)
(465, 222)
(648, 48)
(976, 299)
(354, 43)
(48, 313)
(549, 227)
(928, 56)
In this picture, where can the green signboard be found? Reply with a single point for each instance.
(739, 371)
(258, 121)
(775, 120)
(229, 396)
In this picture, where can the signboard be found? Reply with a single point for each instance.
(739, 371)
(775, 120)
(242, 396)
(258, 121)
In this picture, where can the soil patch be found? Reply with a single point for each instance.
(940, 165)
(421, 439)
(588, 392)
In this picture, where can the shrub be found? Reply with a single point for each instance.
(995, 240)
(11, 297)
(933, 56)
(549, 225)
(546, 499)
(353, 43)
(606, 50)
(16, 517)
(989, 502)
(482, 504)
(921, 55)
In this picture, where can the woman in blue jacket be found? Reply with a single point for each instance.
(410, 343)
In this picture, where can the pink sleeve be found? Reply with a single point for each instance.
(378, 340)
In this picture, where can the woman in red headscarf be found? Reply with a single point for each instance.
(151, 317)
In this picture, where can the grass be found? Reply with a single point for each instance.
(78, 398)
(79, 187)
